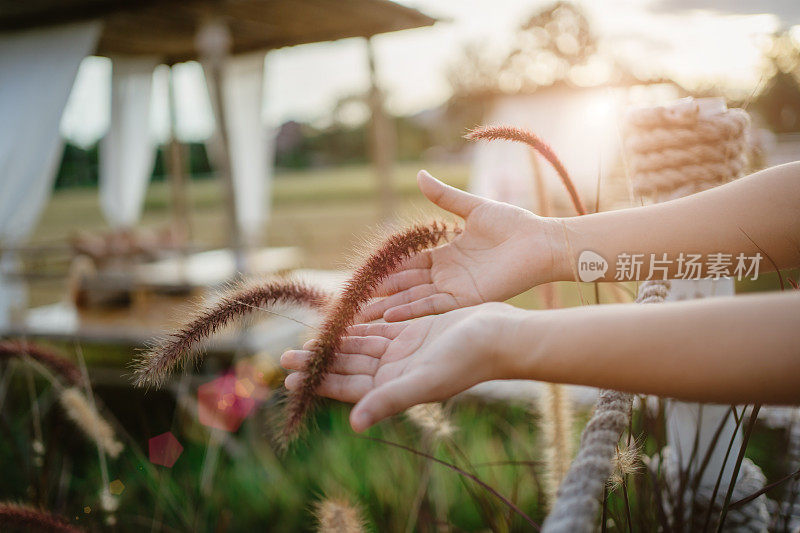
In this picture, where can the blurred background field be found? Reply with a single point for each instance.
(325, 211)
(349, 123)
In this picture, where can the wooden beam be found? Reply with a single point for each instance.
(18, 15)
(177, 170)
(213, 61)
(383, 140)
(166, 28)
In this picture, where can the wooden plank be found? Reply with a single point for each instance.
(166, 28)
(64, 323)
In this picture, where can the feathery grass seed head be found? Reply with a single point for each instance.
(175, 351)
(337, 515)
(627, 461)
(86, 417)
(511, 133)
(555, 408)
(357, 292)
(431, 418)
(18, 517)
(48, 357)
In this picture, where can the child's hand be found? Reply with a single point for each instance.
(389, 367)
(502, 251)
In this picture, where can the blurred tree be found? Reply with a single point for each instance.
(79, 166)
(779, 102)
(554, 46)
(346, 140)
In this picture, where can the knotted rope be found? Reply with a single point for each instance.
(578, 500)
(682, 149)
(677, 150)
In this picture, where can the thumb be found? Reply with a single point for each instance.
(389, 399)
(448, 198)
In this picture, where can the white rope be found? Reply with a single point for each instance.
(674, 151)
(578, 500)
(680, 149)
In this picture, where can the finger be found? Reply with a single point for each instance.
(388, 331)
(448, 198)
(430, 305)
(389, 399)
(345, 364)
(373, 345)
(421, 259)
(371, 312)
(310, 344)
(377, 308)
(335, 386)
(403, 280)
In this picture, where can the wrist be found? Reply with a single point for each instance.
(527, 340)
(511, 339)
(560, 246)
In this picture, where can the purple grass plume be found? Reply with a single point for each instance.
(178, 348)
(18, 517)
(511, 133)
(357, 292)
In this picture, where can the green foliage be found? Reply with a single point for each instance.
(80, 168)
(258, 489)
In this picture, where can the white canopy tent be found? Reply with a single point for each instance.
(43, 43)
(252, 145)
(37, 70)
(126, 152)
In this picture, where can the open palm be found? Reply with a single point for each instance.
(389, 367)
(502, 251)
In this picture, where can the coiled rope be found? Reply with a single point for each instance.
(578, 499)
(681, 149)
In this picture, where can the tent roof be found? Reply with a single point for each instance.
(167, 28)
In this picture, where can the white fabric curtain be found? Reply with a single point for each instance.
(37, 70)
(251, 146)
(127, 152)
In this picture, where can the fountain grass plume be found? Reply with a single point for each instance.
(627, 462)
(153, 367)
(80, 410)
(557, 420)
(337, 515)
(358, 290)
(48, 357)
(18, 517)
(511, 133)
(432, 419)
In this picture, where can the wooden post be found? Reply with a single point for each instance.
(383, 140)
(176, 166)
(214, 42)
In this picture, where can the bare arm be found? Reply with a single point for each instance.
(759, 211)
(504, 250)
(727, 350)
